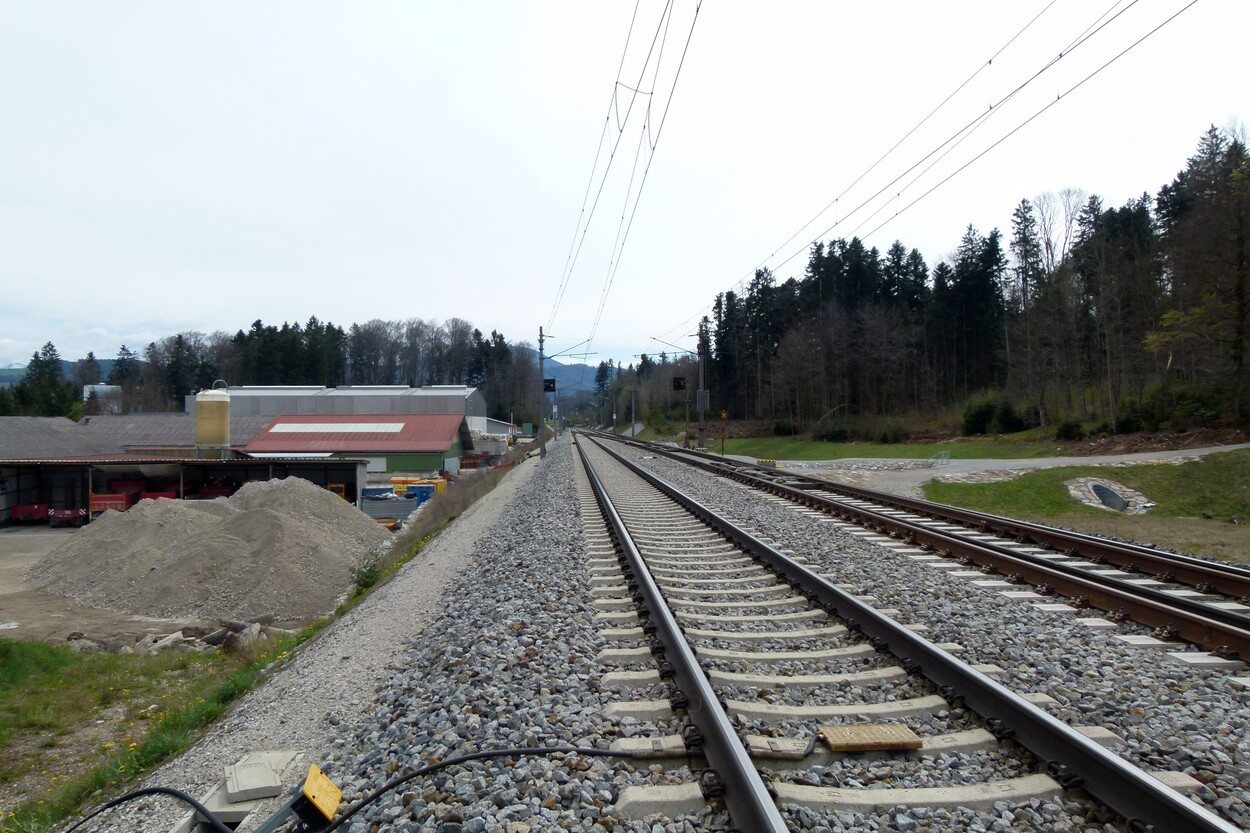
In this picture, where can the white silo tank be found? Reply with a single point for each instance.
(212, 424)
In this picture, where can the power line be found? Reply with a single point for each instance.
(980, 68)
(575, 247)
(652, 145)
(1059, 98)
(1104, 20)
(908, 134)
(964, 132)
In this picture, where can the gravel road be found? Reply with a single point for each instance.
(907, 477)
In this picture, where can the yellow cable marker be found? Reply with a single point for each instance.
(321, 793)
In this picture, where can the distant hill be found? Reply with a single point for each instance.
(13, 375)
(570, 378)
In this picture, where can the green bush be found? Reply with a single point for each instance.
(366, 576)
(1006, 420)
(1069, 431)
(978, 417)
(832, 434)
(1130, 421)
(784, 428)
(892, 434)
(1195, 409)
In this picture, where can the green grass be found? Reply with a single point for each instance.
(62, 712)
(1218, 484)
(163, 732)
(20, 661)
(1196, 502)
(786, 448)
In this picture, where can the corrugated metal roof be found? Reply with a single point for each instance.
(125, 431)
(38, 437)
(361, 433)
(147, 460)
(348, 390)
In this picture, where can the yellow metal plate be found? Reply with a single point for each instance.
(320, 790)
(870, 737)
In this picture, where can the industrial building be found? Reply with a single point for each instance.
(388, 443)
(68, 490)
(339, 438)
(65, 472)
(288, 400)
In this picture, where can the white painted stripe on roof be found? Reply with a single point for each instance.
(294, 455)
(337, 428)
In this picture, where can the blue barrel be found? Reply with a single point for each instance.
(425, 491)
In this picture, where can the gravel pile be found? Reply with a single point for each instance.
(1172, 717)
(283, 547)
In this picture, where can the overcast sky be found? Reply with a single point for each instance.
(167, 167)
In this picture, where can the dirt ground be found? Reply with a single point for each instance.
(34, 615)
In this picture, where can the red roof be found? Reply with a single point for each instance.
(358, 434)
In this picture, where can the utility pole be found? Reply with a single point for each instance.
(701, 399)
(701, 396)
(542, 402)
(633, 409)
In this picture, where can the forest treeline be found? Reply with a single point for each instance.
(410, 352)
(1086, 317)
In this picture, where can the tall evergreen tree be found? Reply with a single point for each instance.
(43, 390)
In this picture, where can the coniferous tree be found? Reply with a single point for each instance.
(43, 390)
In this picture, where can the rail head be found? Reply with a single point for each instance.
(746, 796)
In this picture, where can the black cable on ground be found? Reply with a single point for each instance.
(462, 759)
(220, 827)
(216, 823)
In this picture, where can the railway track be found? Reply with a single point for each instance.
(1180, 597)
(761, 651)
(526, 679)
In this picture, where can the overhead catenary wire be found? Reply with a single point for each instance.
(967, 130)
(980, 68)
(615, 264)
(579, 232)
(1059, 98)
(995, 107)
(1099, 24)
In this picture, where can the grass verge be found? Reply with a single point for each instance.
(786, 448)
(1201, 506)
(79, 726)
(76, 728)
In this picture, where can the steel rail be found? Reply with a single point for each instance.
(1074, 759)
(1229, 579)
(746, 796)
(1224, 632)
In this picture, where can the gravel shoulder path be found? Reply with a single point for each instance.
(907, 477)
(326, 690)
